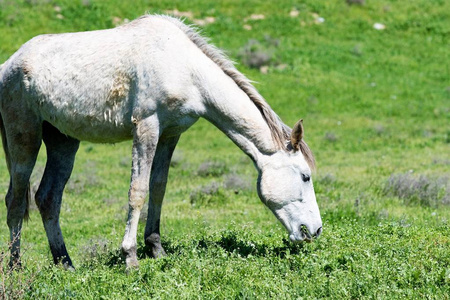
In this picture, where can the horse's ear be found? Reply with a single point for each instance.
(297, 135)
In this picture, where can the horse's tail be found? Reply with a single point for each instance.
(5, 143)
(8, 162)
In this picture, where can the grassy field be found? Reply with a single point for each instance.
(376, 109)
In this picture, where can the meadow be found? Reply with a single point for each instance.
(371, 79)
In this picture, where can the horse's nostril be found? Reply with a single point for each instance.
(305, 231)
(319, 231)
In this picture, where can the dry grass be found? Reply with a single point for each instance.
(14, 283)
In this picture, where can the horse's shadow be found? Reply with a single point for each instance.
(230, 243)
(233, 245)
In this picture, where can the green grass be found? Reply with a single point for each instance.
(374, 104)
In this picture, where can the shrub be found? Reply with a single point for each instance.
(237, 183)
(211, 168)
(419, 190)
(355, 2)
(256, 54)
(330, 137)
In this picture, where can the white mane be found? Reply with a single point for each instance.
(280, 131)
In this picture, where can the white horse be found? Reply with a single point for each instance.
(149, 81)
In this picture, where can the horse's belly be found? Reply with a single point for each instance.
(100, 134)
(93, 128)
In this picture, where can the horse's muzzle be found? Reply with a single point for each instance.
(304, 234)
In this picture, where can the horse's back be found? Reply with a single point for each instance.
(90, 85)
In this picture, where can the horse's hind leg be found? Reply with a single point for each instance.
(158, 181)
(22, 130)
(61, 150)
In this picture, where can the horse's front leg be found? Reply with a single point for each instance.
(158, 181)
(146, 133)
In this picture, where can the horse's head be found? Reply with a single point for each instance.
(285, 187)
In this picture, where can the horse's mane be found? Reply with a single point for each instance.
(280, 132)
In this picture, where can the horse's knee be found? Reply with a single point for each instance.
(41, 200)
(14, 218)
(9, 196)
(46, 204)
(16, 210)
(137, 197)
(128, 247)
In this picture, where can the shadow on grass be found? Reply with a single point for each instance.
(232, 242)
(233, 245)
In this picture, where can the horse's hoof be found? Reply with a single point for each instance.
(69, 268)
(158, 251)
(132, 264)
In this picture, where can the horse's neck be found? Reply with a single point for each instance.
(232, 111)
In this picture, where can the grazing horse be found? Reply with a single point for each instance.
(149, 81)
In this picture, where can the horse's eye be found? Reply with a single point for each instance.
(305, 177)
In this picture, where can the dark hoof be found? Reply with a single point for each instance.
(153, 243)
(15, 265)
(158, 251)
(65, 262)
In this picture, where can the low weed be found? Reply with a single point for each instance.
(95, 250)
